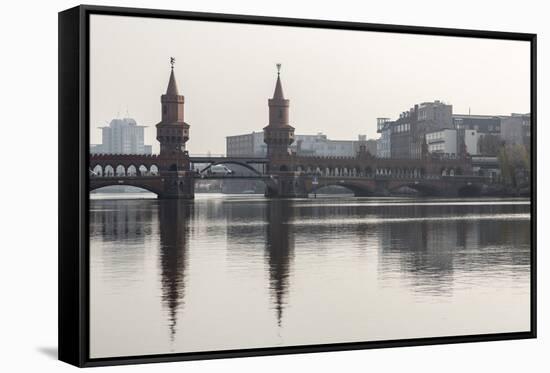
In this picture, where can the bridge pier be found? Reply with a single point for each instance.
(286, 185)
(177, 185)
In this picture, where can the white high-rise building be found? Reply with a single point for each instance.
(122, 136)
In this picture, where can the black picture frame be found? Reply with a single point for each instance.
(73, 179)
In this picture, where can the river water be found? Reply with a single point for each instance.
(234, 272)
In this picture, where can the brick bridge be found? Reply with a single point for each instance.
(298, 177)
(172, 172)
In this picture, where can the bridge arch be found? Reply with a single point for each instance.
(97, 170)
(426, 189)
(120, 170)
(143, 170)
(131, 170)
(243, 164)
(123, 169)
(451, 171)
(109, 170)
(357, 189)
(470, 190)
(146, 186)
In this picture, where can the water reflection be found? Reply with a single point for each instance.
(122, 231)
(279, 252)
(269, 266)
(427, 251)
(174, 220)
(119, 220)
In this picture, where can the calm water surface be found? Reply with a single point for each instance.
(231, 272)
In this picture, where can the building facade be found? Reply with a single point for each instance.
(122, 136)
(516, 129)
(469, 141)
(443, 142)
(403, 144)
(320, 145)
(252, 145)
(424, 127)
(247, 145)
(482, 124)
(453, 143)
(383, 143)
(404, 138)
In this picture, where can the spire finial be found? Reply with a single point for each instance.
(172, 86)
(278, 94)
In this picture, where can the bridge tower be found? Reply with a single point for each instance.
(172, 134)
(279, 135)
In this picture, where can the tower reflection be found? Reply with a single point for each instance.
(174, 217)
(279, 252)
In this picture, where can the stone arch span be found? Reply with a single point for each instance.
(359, 190)
(155, 187)
(243, 164)
(425, 189)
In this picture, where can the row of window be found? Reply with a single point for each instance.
(437, 147)
(434, 136)
(405, 127)
(490, 127)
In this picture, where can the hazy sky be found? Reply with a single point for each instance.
(338, 82)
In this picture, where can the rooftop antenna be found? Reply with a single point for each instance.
(172, 62)
(278, 69)
(469, 111)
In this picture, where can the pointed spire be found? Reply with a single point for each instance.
(172, 89)
(278, 94)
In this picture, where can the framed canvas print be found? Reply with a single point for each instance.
(238, 186)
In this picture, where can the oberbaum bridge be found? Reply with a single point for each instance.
(171, 173)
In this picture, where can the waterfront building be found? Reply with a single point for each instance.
(246, 145)
(404, 137)
(476, 130)
(252, 145)
(516, 129)
(482, 124)
(452, 143)
(383, 143)
(513, 129)
(443, 142)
